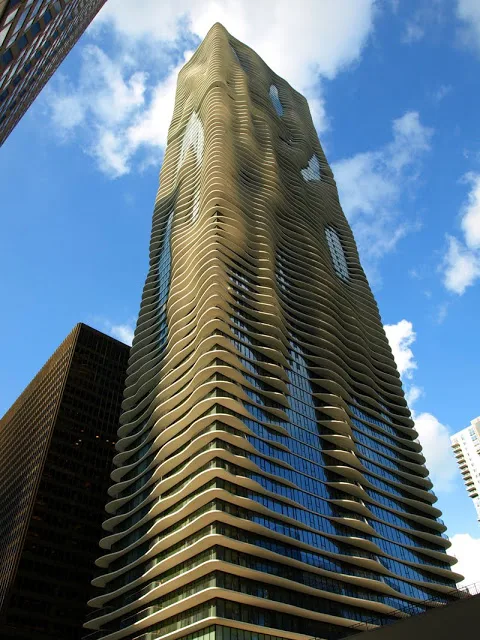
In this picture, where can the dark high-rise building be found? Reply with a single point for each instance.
(268, 477)
(35, 36)
(56, 449)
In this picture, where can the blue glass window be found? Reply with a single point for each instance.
(276, 100)
(311, 173)
(22, 42)
(7, 56)
(337, 254)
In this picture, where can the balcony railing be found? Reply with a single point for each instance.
(128, 598)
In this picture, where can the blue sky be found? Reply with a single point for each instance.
(394, 91)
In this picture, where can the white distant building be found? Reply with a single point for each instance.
(466, 446)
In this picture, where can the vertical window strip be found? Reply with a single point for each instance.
(337, 254)
(277, 105)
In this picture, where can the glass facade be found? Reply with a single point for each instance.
(268, 478)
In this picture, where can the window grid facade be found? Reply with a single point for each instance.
(35, 36)
(56, 444)
(267, 474)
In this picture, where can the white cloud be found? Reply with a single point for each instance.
(121, 112)
(297, 40)
(461, 267)
(109, 104)
(401, 336)
(371, 185)
(471, 212)
(102, 89)
(123, 332)
(466, 549)
(461, 263)
(67, 111)
(468, 12)
(433, 435)
(111, 154)
(412, 394)
(151, 126)
(435, 440)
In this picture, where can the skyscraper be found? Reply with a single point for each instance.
(466, 447)
(56, 449)
(35, 36)
(268, 478)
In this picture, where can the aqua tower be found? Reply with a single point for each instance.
(268, 477)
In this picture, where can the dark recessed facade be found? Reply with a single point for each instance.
(268, 481)
(35, 36)
(56, 448)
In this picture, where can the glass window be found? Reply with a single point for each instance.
(21, 20)
(276, 100)
(11, 16)
(193, 137)
(22, 42)
(7, 56)
(337, 253)
(3, 34)
(311, 173)
(36, 8)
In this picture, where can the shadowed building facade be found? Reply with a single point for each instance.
(56, 449)
(35, 36)
(268, 478)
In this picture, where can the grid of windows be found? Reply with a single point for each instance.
(58, 441)
(35, 36)
(221, 580)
